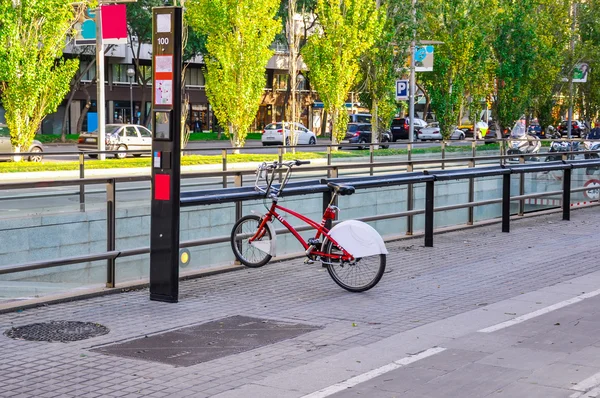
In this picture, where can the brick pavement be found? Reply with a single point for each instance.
(424, 289)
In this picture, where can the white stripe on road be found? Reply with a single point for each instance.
(327, 391)
(591, 383)
(537, 313)
(590, 394)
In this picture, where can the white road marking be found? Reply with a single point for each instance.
(327, 391)
(591, 384)
(539, 312)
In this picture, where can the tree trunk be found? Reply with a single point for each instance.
(88, 104)
(375, 123)
(233, 137)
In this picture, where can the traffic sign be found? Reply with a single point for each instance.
(402, 90)
(594, 192)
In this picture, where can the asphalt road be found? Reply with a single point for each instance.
(214, 148)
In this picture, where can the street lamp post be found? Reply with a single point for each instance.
(131, 74)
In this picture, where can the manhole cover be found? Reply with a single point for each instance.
(195, 344)
(62, 331)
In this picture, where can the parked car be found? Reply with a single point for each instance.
(432, 132)
(359, 118)
(118, 137)
(578, 128)
(360, 133)
(400, 127)
(36, 148)
(274, 133)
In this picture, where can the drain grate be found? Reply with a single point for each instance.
(195, 344)
(61, 331)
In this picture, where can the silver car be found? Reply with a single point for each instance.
(118, 137)
(36, 148)
(432, 132)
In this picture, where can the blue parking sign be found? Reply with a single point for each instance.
(402, 90)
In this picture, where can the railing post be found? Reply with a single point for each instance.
(111, 200)
(429, 206)
(224, 161)
(371, 159)
(409, 203)
(566, 199)
(280, 159)
(334, 172)
(328, 161)
(238, 181)
(474, 148)
(409, 149)
(81, 186)
(470, 209)
(522, 188)
(506, 203)
(443, 154)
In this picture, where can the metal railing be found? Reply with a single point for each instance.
(332, 169)
(240, 194)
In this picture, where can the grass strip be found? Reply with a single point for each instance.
(190, 160)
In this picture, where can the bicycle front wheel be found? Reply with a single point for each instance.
(357, 276)
(252, 254)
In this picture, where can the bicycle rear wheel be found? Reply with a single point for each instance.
(251, 255)
(357, 276)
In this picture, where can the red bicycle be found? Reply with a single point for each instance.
(352, 251)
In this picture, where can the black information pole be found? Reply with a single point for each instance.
(166, 152)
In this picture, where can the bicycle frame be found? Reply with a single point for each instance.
(320, 228)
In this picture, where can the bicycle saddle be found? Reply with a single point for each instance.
(341, 189)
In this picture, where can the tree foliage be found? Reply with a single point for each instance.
(460, 60)
(238, 38)
(347, 29)
(380, 67)
(34, 78)
(589, 34)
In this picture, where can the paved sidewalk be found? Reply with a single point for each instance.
(427, 330)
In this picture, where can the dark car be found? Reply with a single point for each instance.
(577, 128)
(400, 126)
(536, 129)
(360, 133)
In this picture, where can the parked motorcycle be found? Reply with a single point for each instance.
(558, 145)
(520, 142)
(590, 145)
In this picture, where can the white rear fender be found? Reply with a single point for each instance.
(358, 238)
(266, 246)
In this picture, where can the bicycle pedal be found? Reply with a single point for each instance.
(309, 261)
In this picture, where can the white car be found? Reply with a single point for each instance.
(432, 132)
(118, 137)
(276, 134)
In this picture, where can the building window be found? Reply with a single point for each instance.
(90, 74)
(281, 81)
(194, 77)
(146, 72)
(119, 73)
(300, 82)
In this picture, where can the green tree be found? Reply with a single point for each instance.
(513, 45)
(238, 38)
(551, 37)
(34, 78)
(379, 66)
(347, 29)
(589, 33)
(460, 59)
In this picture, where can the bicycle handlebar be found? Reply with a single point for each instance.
(263, 172)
